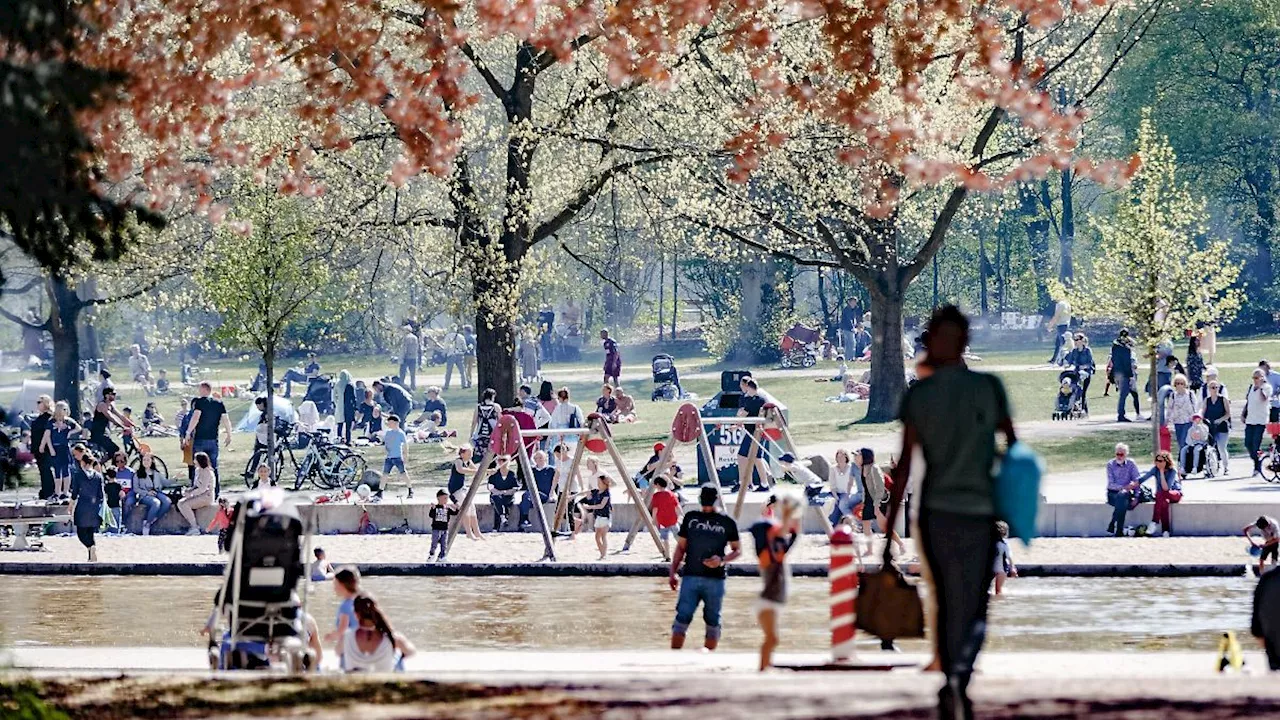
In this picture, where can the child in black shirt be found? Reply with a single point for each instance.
(440, 514)
(112, 491)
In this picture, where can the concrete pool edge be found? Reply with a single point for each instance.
(555, 570)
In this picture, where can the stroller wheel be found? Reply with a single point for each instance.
(786, 361)
(809, 361)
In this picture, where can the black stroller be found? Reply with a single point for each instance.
(666, 379)
(258, 620)
(320, 392)
(1070, 401)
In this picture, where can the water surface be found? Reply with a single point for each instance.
(623, 613)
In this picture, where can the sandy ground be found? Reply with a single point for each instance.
(528, 547)
(681, 685)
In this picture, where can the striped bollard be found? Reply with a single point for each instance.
(843, 575)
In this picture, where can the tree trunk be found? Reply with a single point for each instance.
(1156, 413)
(675, 291)
(662, 293)
(751, 311)
(495, 359)
(1037, 226)
(66, 343)
(1067, 239)
(89, 344)
(888, 378)
(983, 304)
(269, 359)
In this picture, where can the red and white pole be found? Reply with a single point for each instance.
(843, 575)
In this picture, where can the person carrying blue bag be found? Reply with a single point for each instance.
(953, 415)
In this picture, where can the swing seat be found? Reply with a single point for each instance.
(506, 438)
(687, 424)
(772, 433)
(595, 445)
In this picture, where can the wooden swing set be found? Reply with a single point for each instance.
(690, 428)
(509, 440)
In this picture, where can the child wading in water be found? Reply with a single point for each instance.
(1004, 567)
(774, 538)
(600, 503)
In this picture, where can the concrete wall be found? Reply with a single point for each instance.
(1056, 520)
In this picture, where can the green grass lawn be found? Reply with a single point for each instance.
(1031, 393)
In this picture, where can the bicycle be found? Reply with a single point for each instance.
(325, 465)
(1271, 461)
(133, 456)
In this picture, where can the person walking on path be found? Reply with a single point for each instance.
(1080, 359)
(410, 351)
(1179, 408)
(455, 351)
(1216, 410)
(1122, 482)
(1122, 369)
(208, 414)
(953, 416)
(88, 493)
(1273, 379)
(774, 538)
(1195, 364)
(1168, 489)
(612, 359)
(468, 356)
(700, 558)
(1269, 528)
(1256, 414)
(1059, 321)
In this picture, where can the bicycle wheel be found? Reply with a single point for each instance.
(323, 467)
(1271, 463)
(350, 470)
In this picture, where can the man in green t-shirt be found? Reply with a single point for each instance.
(953, 415)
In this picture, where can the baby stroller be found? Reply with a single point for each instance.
(320, 392)
(666, 378)
(800, 346)
(1070, 401)
(258, 620)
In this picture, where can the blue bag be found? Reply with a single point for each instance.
(1017, 491)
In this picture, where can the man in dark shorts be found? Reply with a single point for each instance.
(700, 559)
(953, 415)
(751, 405)
(208, 414)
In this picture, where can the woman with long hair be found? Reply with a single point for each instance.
(459, 475)
(372, 645)
(1168, 489)
(199, 495)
